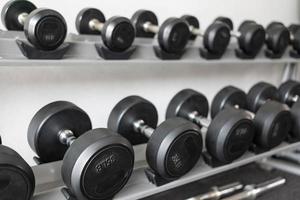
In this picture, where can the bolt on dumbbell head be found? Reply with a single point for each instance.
(91, 158)
(16, 175)
(277, 37)
(272, 119)
(15, 12)
(117, 33)
(229, 134)
(173, 34)
(173, 147)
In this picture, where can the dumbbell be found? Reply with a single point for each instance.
(250, 35)
(117, 32)
(229, 135)
(173, 147)
(277, 38)
(16, 176)
(44, 28)
(295, 37)
(289, 93)
(173, 34)
(215, 38)
(271, 119)
(97, 163)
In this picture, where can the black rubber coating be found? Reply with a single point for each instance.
(217, 38)
(288, 90)
(185, 102)
(173, 35)
(295, 32)
(11, 11)
(259, 94)
(48, 122)
(273, 121)
(226, 21)
(252, 37)
(130, 110)
(228, 96)
(295, 112)
(174, 148)
(98, 164)
(230, 135)
(46, 29)
(16, 176)
(277, 37)
(192, 21)
(118, 34)
(85, 16)
(138, 20)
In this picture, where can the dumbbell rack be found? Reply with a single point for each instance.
(83, 52)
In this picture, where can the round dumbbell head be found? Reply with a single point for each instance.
(141, 17)
(84, 17)
(45, 29)
(173, 35)
(228, 97)
(98, 164)
(295, 32)
(128, 111)
(11, 12)
(259, 94)
(186, 102)
(192, 21)
(48, 122)
(174, 148)
(252, 37)
(277, 37)
(295, 112)
(273, 122)
(289, 90)
(118, 34)
(226, 21)
(17, 179)
(230, 135)
(216, 38)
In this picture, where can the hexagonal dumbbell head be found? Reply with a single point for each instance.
(98, 162)
(174, 146)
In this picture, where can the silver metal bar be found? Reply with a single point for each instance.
(66, 137)
(148, 27)
(141, 127)
(96, 25)
(198, 119)
(22, 17)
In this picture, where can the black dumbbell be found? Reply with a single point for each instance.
(272, 119)
(289, 93)
(44, 28)
(277, 38)
(173, 34)
(16, 176)
(295, 37)
(229, 134)
(117, 33)
(173, 148)
(250, 35)
(216, 37)
(96, 163)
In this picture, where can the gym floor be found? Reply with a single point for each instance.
(250, 174)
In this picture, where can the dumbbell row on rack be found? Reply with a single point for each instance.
(46, 31)
(97, 163)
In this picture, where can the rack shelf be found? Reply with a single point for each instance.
(82, 53)
(138, 185)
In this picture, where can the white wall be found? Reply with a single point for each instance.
(96, 89)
